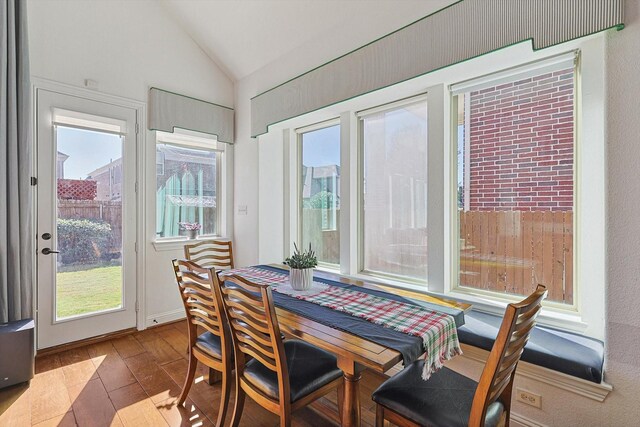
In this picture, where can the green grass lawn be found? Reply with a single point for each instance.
(90, 290)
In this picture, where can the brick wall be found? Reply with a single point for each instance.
(522, 145)
(77, 189)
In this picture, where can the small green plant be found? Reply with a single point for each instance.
(302, 259)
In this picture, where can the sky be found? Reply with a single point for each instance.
(321, 147)
(87, 150)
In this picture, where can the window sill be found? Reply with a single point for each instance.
(173, 244)
(568, 321)
(563, 320)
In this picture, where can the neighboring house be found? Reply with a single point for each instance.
(320, 178)
(60, 164)
(109, 179)
(186, 189)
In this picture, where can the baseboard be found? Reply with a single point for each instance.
(166, 317)
(519, 420)
(81, 343)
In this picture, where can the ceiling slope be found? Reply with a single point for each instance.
(243, 36)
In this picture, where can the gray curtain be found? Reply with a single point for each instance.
(16, 239)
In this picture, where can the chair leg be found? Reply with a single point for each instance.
(238, 406)
(191, 373)
(224, 398)
(379, 415)
(285, 418)
(214, 376)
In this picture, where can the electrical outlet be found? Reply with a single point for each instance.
(529, 398)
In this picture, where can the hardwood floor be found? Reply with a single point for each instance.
(135, 381)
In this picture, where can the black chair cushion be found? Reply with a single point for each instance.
(310, 368)
(210, 343)
(562, 351)
(444, 400)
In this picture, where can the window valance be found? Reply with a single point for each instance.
(461, 31)
(168, 110)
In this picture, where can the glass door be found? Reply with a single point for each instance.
(86, 218)
(88, 222)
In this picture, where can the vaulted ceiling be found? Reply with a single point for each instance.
(243, 36)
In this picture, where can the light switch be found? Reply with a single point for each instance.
(91, 84)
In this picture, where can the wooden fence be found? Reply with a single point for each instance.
(326, 243)
(512, 251)
(107, 211)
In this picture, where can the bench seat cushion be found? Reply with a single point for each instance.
(565, 352)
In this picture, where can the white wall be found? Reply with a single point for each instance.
(127, 47)
(623, 221)
(560, 405)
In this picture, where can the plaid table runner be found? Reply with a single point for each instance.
(437, 330)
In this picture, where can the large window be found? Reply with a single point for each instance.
(187, 187)
(488, 184)
(320, 186)
(394, 186)
(516, 161)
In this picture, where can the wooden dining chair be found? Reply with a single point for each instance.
(214, 253)
(213, 347)
(281, 376)
(451, 399)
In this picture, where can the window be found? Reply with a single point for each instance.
(516, 157)
(187, 185)
(477, 190)
(320, 198)
(394, 210)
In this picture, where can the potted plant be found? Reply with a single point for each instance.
(191, 228)
(301, 265)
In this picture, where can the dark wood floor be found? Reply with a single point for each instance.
(135, 381)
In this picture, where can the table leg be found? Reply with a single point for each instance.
(351, 400)
(214, 376)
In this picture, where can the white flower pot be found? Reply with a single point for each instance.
(301, 279)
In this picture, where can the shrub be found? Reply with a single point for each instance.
(82, 240)
(320, 200)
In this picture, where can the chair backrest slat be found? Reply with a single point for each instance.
(258, 318)
(254, 326)
(245, 329)
(250, 351)
(201, 304)
(246, 299)
(497, 377)
(216, 254)
(248, 312)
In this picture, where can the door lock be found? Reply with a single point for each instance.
(47, 251)
(46, 236)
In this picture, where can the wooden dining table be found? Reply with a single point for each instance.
(354, 353)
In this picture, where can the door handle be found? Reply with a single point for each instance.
(47, 251)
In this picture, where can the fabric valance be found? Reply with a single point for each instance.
(168, 110)
(461, 31)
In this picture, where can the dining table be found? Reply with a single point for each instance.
(355, 352)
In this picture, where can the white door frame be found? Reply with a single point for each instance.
(140, 108)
